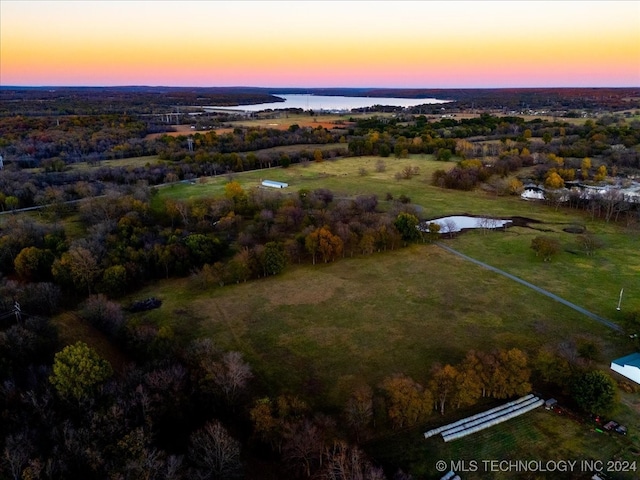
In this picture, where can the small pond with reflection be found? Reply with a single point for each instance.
(456, 223)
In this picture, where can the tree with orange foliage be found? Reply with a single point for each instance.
(443, 385)
(322, 241)
(585, 167)
(407, 401)
(234, 191)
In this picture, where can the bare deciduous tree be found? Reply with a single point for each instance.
(359, 409)
(345, 462)
(216, 452)
(16, 453)
(303, 446)
(231, 375)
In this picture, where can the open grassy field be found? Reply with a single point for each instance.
(122, 162)
(279, 121)
(283, 120)
(343, 177)
(593, 282)
(320, 330)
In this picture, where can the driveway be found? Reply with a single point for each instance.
(597, 318)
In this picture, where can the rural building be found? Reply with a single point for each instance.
(628, 366)
(274, 184)
(532, 192)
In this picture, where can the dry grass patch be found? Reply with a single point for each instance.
(323, 289)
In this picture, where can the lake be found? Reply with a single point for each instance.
(330, 103)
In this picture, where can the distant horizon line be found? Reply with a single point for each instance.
(5, 87)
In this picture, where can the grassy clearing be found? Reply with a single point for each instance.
(343, 177)
(285, 120)
(318, 329)
(72, 329)
(593, 282)
(121, 162)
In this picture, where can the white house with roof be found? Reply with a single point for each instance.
(628, 366)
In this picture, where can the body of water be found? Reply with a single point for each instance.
(329, 103)
(456, 223)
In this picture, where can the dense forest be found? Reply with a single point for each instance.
(188, 409)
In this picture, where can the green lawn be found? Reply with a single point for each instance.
(320, 330)
(403, 310)
(593, 282)
(342, 176)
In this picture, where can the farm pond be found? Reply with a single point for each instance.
(457, 223)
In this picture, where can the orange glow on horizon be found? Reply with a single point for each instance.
(394, 44)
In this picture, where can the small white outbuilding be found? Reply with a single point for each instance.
(628, 366)
(274, 184)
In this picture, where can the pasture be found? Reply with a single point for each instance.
(131, 162)
(283, 120)
(351, 176)
(592, 281)
(321, 330)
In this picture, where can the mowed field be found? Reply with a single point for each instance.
(321, 330)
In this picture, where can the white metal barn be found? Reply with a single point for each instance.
(628, 366)
(274, 184)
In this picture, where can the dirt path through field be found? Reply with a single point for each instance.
(589, 314)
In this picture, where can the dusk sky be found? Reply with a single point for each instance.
(428, 44)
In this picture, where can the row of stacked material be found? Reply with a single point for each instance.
(483, 420)
(451, 476)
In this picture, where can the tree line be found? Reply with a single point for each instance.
(501, 144)
(134, 238)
